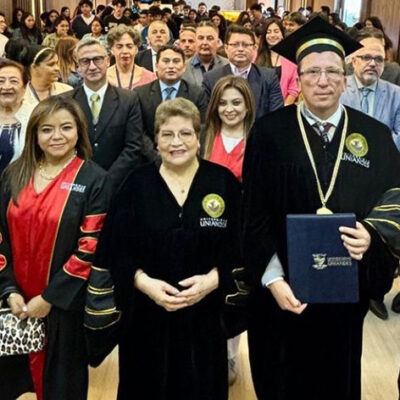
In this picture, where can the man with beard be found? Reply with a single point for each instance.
(366, 92)
(379, 99)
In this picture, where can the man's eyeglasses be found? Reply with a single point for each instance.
(314, 74)
(368, 58)
(236, 45)
(98, 61)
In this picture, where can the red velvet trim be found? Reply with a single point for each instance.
(77, 268)
(93, 223)
(87, 245)
(3, 262)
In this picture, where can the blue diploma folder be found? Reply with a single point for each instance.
(320, 267)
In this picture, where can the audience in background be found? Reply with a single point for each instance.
(296, 20)
(97, 28)
(28, 30)
(285, 70)
(62, 29)
(81, 25)
(124, 44)
(44, 75)
(239, 47)
(65, 49)
(206, 57)
(51, 17)
(187, 40)
(158, 35)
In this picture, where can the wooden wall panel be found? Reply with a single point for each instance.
(6, 7)
(388, 12)
(318, 3)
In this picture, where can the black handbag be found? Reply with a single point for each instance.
(20, 336)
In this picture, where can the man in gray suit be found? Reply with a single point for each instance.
(205, 58)
(366, 92)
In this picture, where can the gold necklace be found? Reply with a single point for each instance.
(43, 174)
(324, 197)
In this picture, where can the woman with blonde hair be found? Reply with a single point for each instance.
(65, 49)
(230, 116)
(53, 192)
(124, 43)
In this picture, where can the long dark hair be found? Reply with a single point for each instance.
(376, 23)
(214, 124)
(26, 32)
(264, 52)
(18, 174)
(49, 26)
(15, 23)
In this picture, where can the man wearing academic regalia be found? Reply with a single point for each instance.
(317, 157)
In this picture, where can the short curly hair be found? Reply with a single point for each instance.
(115, 34)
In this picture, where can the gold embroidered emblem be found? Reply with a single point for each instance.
(357, 144)
(213, 205)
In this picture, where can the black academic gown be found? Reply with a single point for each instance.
(66, 365)
(315, 355)
(182, 354)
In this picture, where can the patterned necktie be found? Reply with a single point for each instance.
(323, 129)
(95, 107)
(168, 91)
(365, 91)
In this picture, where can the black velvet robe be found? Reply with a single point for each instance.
(66, 365)
(182, 354)
(315, 355)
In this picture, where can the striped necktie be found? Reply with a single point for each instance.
(168, 91)
(323, 129)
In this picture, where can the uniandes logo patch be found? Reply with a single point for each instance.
(357, 144)
(213, 205)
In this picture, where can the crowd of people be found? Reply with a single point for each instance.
(165, 147)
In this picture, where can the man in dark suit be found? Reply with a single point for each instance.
(158, 36)
(239, 47)
(113, 114)
(169, 85)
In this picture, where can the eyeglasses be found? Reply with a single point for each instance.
(314, 74)
(368, 58)
(98, 61)
(245, 45)
(184, 135)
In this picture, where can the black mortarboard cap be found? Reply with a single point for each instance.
(316, 36)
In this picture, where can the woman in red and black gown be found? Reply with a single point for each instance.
(53, 205)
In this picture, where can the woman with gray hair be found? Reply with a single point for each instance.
(124, 43)
(14, 112)
(171, 243)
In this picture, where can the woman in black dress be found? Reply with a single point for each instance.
(171, 243)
